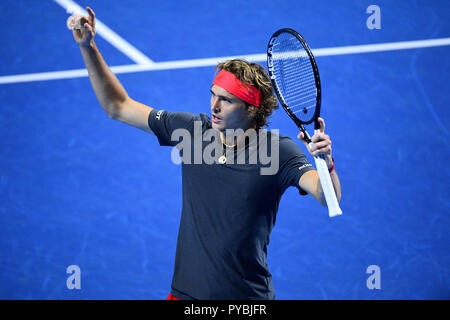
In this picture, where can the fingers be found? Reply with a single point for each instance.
(91, 16)
(89, 23)
(322, 124)
(320, 147)
(301, 136)
(320, 143)
(89, 28)
(76, 33)
(319, 137)
(84, 20)
(83, 27)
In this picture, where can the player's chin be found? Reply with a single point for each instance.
(218, 126)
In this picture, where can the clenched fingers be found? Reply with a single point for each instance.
(320, 143)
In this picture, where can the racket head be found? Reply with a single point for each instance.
(295, 77)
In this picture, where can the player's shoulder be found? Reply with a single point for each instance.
(202, 117)
(205, 119)
(275, 135)
(287, 147)
(181, 117)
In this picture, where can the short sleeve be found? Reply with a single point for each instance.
(293, 164)
(163, 123)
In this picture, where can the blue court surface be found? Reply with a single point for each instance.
(77, 188)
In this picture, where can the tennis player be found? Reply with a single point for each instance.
(228, 210)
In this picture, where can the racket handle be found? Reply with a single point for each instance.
(327, 187)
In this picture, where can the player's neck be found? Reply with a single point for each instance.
(232, 142)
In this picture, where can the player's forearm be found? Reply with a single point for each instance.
(109, 91)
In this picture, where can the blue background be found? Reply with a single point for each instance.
(79, 188)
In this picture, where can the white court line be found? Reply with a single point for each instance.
(194, 63)
(113, 38)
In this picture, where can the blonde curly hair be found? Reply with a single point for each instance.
(256, 75)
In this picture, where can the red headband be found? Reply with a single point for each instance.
(228, 81)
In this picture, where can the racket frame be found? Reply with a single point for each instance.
(324, 176)
(300, 124)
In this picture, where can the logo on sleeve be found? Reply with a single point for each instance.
(304, 166)
(158, 114)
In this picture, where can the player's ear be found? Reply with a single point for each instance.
(251, 111)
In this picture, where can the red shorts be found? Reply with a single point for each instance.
(171, 297)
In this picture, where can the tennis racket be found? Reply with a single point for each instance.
(295, 78)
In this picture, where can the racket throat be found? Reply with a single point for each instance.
(305, 135)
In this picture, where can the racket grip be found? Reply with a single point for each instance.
(327, 187)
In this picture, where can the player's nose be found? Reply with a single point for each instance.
(215, 106)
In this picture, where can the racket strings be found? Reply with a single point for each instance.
(294, 76)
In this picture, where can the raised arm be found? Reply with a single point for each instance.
(109, 91)
(321, 144)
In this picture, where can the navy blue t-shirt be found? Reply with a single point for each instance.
(228, 211)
